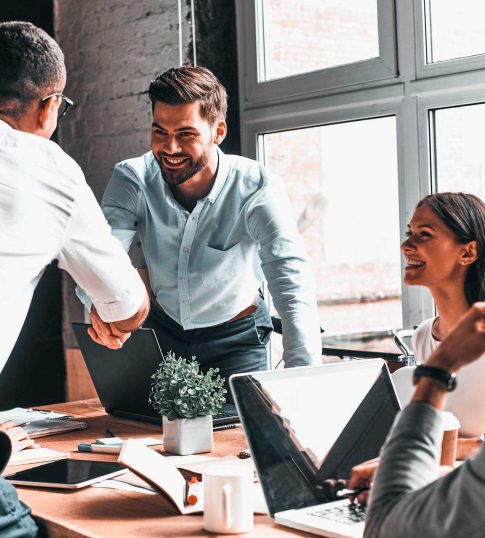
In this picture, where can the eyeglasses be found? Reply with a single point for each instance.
(65, 105)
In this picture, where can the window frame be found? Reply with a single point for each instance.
(410, 95)
(315, 82)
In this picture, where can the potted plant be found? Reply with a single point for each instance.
(186, 399)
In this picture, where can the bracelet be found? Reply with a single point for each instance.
(439, 374)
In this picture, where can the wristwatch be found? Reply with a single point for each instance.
(440, 374)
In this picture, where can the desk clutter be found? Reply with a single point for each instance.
(39, 423)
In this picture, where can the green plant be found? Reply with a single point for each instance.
(181, 390)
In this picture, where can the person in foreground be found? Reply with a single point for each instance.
(406, 500)
(47, 212)
(212, 227)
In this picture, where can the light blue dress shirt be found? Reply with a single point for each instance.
(206, 266)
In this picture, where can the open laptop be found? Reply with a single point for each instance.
(307, 425)
(122, 377)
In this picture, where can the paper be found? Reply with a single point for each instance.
(36, 455)
(41, 428)
(20, 415)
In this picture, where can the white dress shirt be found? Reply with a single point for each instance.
(47, 212)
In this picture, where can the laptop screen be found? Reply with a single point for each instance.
(306, 425)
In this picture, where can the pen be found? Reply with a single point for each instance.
(103, 449)
(109, 433)
(349, 492)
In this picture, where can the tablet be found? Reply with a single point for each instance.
(67, 474)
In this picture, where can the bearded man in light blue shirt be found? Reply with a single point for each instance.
(212, 227)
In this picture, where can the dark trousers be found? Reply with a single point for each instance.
(233, 347)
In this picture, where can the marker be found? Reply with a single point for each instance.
(103, 449)
(192, 491)
(350, 492)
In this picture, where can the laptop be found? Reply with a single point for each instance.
(307, 425)
(122, 377)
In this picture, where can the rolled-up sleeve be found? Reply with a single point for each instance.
(97, 261)
(290, 279)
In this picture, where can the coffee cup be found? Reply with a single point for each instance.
(228, 499)
(449, 444)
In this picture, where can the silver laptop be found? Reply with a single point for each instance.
(307, 425)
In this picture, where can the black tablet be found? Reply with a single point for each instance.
(68, 474)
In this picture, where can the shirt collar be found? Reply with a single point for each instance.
(221, 176)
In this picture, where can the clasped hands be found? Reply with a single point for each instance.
(106, 334)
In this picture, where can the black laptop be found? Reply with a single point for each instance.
(306, 428)
(122, 377)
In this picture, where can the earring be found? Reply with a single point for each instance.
(462, 262)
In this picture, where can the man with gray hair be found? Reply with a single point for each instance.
(47, 212)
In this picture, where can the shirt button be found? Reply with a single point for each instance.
(182, 279)
(185, 301)
(186, 249)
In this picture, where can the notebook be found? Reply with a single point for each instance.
(306, 425)
(36, 455)
(122, 377)
(51, 426)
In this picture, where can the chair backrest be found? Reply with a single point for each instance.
(403, 383)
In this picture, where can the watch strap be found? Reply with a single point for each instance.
(439, 374)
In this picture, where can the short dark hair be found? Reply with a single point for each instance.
(464, 215)
(31, 66)
(183, 85)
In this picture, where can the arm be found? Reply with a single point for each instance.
(286, 268)
(97, 262)
(452, 505)
(15, 519)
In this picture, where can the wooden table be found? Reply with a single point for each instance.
(100, 512)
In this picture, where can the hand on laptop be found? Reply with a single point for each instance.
(19, 438)
(104, 333)
(361, 477)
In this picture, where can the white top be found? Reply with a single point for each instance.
(47, 211)
(467, 401)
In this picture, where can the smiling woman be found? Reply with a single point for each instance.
(445, 252)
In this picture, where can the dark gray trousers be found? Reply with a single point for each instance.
(233, 347)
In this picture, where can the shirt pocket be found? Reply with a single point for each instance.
(220, 265)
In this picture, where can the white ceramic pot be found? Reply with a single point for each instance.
(185, 436)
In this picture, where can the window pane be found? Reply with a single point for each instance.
(455, 29)
(342, 182)
(460, 159)
(307, 35)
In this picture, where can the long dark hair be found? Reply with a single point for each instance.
(464, 215)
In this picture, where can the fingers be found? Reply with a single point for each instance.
(110, 341)
(4, 426)
(363, 474)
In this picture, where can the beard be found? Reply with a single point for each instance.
(177, 177)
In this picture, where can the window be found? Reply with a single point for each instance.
(308, 35)
(360, 134)
(459, 139)
(353, 246)
(454, 29)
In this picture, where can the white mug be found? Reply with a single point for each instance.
(228, 499)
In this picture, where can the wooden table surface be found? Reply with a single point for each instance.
(100, 512)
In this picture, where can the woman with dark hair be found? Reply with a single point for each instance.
(445, 252)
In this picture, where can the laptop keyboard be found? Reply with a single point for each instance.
(349, 513)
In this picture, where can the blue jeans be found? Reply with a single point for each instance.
(233, 347)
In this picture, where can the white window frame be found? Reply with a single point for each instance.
(445, 67)
(315, 82)
(409, 94)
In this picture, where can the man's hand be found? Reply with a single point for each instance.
(464, 344)
(104, 333)
(19, 438)
(361, 477)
